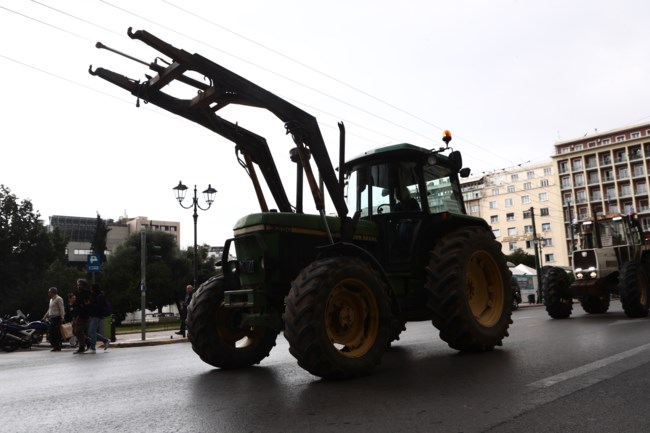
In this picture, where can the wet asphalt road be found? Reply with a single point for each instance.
(586, 374)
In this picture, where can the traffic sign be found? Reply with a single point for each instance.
(93, 262)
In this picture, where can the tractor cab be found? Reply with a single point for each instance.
(400, 188)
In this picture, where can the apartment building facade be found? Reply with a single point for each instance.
(523, 206)
(605, 173)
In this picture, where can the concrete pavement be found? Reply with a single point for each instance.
(134, 339)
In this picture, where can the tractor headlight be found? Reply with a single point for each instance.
(593, 274)
(579, 275)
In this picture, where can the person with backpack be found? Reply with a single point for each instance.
(97, 311)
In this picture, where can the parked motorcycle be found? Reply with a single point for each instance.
(17, 332)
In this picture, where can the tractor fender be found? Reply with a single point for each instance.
(346, 249)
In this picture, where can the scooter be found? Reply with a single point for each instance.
(17, 332)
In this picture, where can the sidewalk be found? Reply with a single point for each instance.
(134, 339)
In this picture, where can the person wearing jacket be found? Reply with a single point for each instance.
(55, 314)
(96, 309)
(81, 316)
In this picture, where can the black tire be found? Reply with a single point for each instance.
(338, 318)
(470, 296)
(593, 304)
(633, 289)
(557, 300)
(214, 332)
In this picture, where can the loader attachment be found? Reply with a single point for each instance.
(225, 88)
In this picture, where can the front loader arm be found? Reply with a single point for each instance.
(227, 88)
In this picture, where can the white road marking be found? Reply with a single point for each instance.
(552, 380)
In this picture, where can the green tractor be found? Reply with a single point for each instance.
(341, 287)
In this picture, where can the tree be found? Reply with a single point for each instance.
(26, 251)
(98, 243)
(519, 256)
(167, 273)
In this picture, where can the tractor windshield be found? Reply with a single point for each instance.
(396, 187)
(610, 231)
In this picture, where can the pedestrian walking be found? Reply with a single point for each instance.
(96, 312)
(186, 301)
(54, 314)
(81, 317)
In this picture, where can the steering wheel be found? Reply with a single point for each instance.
(382, 207)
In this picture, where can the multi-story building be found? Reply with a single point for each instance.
(523, 206)
(604, 173)
(80, 231)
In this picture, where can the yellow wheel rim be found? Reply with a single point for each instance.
(229, 333)
(485, 290)
(351, 318)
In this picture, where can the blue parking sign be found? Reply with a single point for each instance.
(93, 262)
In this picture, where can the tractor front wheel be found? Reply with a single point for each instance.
(216, 332)
(595, 304)
(633, 289)
(338, 319)
(555, 285)
(469, 290)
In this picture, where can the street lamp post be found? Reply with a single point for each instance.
(179, 191)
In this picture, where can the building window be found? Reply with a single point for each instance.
(511, 188)
(494, 219)
(510, 216)
(548, 242)
(605, 141)
(493, 205)
(543, 196)
(620, 138)
(512, 246)
(528, 229)
(495, 191)
(525, 199)
(526, 214)
(474, 209)
(514, 177)
(544, 211)
(543, 183)
(528, 186)
(549, 258)
(508, 202)
(565, 149)
(636, 135)
(496, 233)
(566, 182)
(512, 231)
(547, 171)
(530, 175)
(546, 227)
(591, 144)
(578, 147)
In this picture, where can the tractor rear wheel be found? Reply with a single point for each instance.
(338, 318)
(633, 289)
(558, 302)
(470, 296)
(594, 304)
(216, 333)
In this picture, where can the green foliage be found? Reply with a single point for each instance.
(98, 243)
(26, 252)
(166, 276)
(519, 256)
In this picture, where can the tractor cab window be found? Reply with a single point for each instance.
(612, 232)
(384, 188)
(443, 192)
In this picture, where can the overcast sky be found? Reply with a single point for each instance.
(508, 78)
